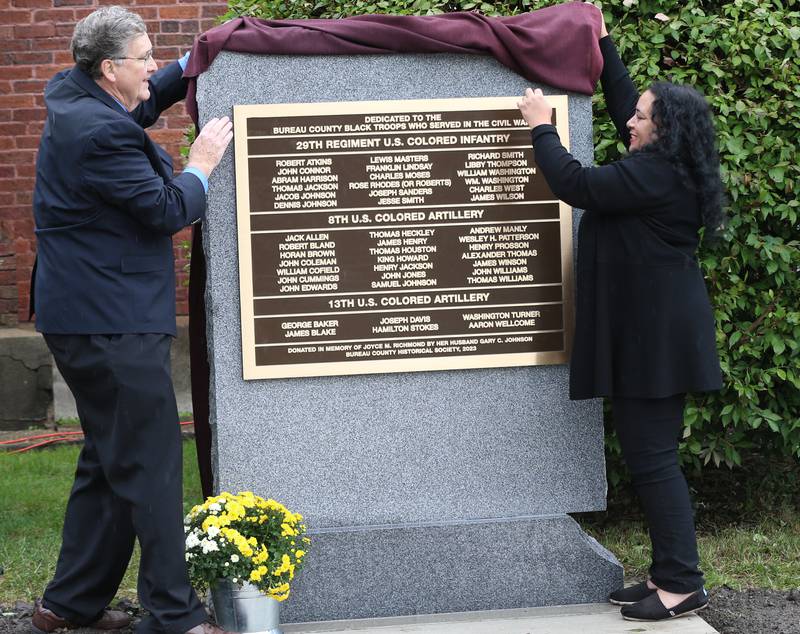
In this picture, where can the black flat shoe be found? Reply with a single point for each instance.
(631, 594)
(651, 609)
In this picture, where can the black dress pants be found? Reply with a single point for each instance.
(128, 483)
(649, 432)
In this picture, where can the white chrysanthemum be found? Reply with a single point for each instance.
(192, 540)
(189, 556)
(628, 3)
(208, 545)
(214, 508)
(234, 558)
(213, 531)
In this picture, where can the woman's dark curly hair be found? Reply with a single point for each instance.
(685, 135)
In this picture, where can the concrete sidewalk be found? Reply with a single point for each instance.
(594, 618)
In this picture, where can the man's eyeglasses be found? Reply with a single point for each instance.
(145, 59)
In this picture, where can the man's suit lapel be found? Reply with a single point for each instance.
(90, 86)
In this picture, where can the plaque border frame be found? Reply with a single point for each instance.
(251, 371)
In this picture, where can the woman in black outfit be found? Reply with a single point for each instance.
(644, 333)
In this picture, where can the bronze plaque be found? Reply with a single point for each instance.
(398, 236)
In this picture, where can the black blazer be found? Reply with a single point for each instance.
(106, 205)
(644, 327)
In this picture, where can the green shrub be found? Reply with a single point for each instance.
(743, 56)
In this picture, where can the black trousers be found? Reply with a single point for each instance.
(128, 483)
(649, 432)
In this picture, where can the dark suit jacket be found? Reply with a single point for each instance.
(644, 325)
(106, 205)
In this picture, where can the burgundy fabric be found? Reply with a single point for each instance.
(557, 45)
(198, 361)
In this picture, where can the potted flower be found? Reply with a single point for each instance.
(246, 550)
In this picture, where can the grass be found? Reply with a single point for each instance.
(34, 487)
(765, 554)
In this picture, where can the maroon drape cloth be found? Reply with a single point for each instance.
(557, 46)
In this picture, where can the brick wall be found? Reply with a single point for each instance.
(34, 44)
(8, 284)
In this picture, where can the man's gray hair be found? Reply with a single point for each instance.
(104, 34)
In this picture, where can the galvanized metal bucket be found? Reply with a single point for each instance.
(244, 608)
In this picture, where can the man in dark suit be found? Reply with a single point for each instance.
(106, 204)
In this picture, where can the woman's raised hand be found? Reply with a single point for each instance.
(535, 108)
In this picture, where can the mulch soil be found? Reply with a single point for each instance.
(753, 611)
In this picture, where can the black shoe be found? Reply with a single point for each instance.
(651, 609)
(631, 594)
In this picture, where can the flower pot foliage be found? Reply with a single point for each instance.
(245, 538)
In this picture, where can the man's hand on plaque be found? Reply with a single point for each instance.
(535, 108)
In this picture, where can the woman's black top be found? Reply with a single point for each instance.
(644, 327)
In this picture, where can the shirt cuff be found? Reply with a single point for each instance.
(184, 60)
(200, 175)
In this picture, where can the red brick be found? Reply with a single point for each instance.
(12, 129)
(30, 86)
(24, 226)
(15, 17)
(63, 58)
(35, 127)
(180, 122)
(8, 277)
(14, 184)
(5, 88)
(55, 15)
(6, 199)
(170, 26)
(48, 70)
(206, 25)
(7, 171)
(147, 13)
(31, 58)
(178, 12)
(29, 114)
(27, 142)
(190, 26)
(5, 115)
(16, 72)
(16, 156)
(16, 101)
(168, 54)
(23, 198)
(32, 4)
(54, 43)
(25, 260)
(6, 143)
(34, 30)
(65, 30)
(11, 45)
(16, 213)
(213, 11)
(174, 39)
(70, 3)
